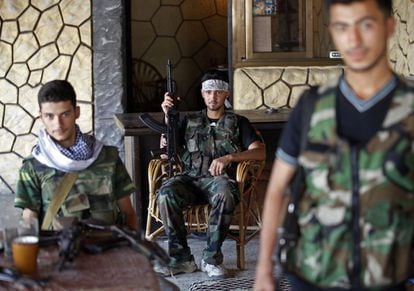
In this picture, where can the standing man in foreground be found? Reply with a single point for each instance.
(214, 141)
(100, 187)
(356, 214)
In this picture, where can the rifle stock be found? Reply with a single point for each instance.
(152, 123)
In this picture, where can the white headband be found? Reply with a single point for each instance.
(214, 84)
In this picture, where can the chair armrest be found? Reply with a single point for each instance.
(158, 171)
(247, 174)
(249, 171)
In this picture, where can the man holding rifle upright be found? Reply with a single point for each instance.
(213, 140)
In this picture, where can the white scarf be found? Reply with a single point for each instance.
(49, 154)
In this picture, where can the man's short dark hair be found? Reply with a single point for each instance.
(215, 74)
(57, 91)
(384, 5)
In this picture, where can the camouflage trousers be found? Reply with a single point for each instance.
(181, 191)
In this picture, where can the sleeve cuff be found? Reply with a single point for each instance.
(282, 155)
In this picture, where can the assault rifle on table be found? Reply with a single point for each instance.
(94, 237)
(20, 281)
(171, 128)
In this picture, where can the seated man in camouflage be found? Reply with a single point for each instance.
(213, 141)
(100, 186)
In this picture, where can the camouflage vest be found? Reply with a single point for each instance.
(356, 216)
(91, 195)
(205, 142)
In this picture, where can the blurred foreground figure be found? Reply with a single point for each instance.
(355, 214)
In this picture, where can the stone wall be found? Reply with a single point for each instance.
(275, 87)
(40, 41)
(263, 87)
(191, 33)
(109, 69)
(402, 45)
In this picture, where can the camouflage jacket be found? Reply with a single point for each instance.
(356, 216)
(204, 142)
(94, 193)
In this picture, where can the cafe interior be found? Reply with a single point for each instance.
(115, 52)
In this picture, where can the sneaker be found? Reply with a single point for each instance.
(216, 271)
(184, 267)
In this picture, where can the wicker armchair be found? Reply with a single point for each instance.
(246, 220)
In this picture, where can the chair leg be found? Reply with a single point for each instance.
(149, 221)
(148, 228)
(240, 256)
(242, 237)
(156, 233)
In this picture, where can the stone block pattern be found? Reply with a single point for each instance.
(276, 87)
(39, 41)
(264, 87)
(42, 40)
(191, 33)
(402, 45)
(109, 69)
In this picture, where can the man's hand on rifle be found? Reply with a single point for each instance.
(167, 104)
(163, 145)
(163, 141)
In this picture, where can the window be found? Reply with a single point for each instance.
(280, 32)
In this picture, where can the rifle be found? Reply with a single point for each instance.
(288, 234)
(171, 128)
(94, 237)
(20, 281)
(149, 249)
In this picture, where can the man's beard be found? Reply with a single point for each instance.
(370, 66)
(215, 108)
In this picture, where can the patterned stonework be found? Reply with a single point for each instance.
(402, 45)
(191, 33)
(40, 40)
(258, 87)
(274, 87)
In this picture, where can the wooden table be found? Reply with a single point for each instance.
(115, 269)
(139, 140)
